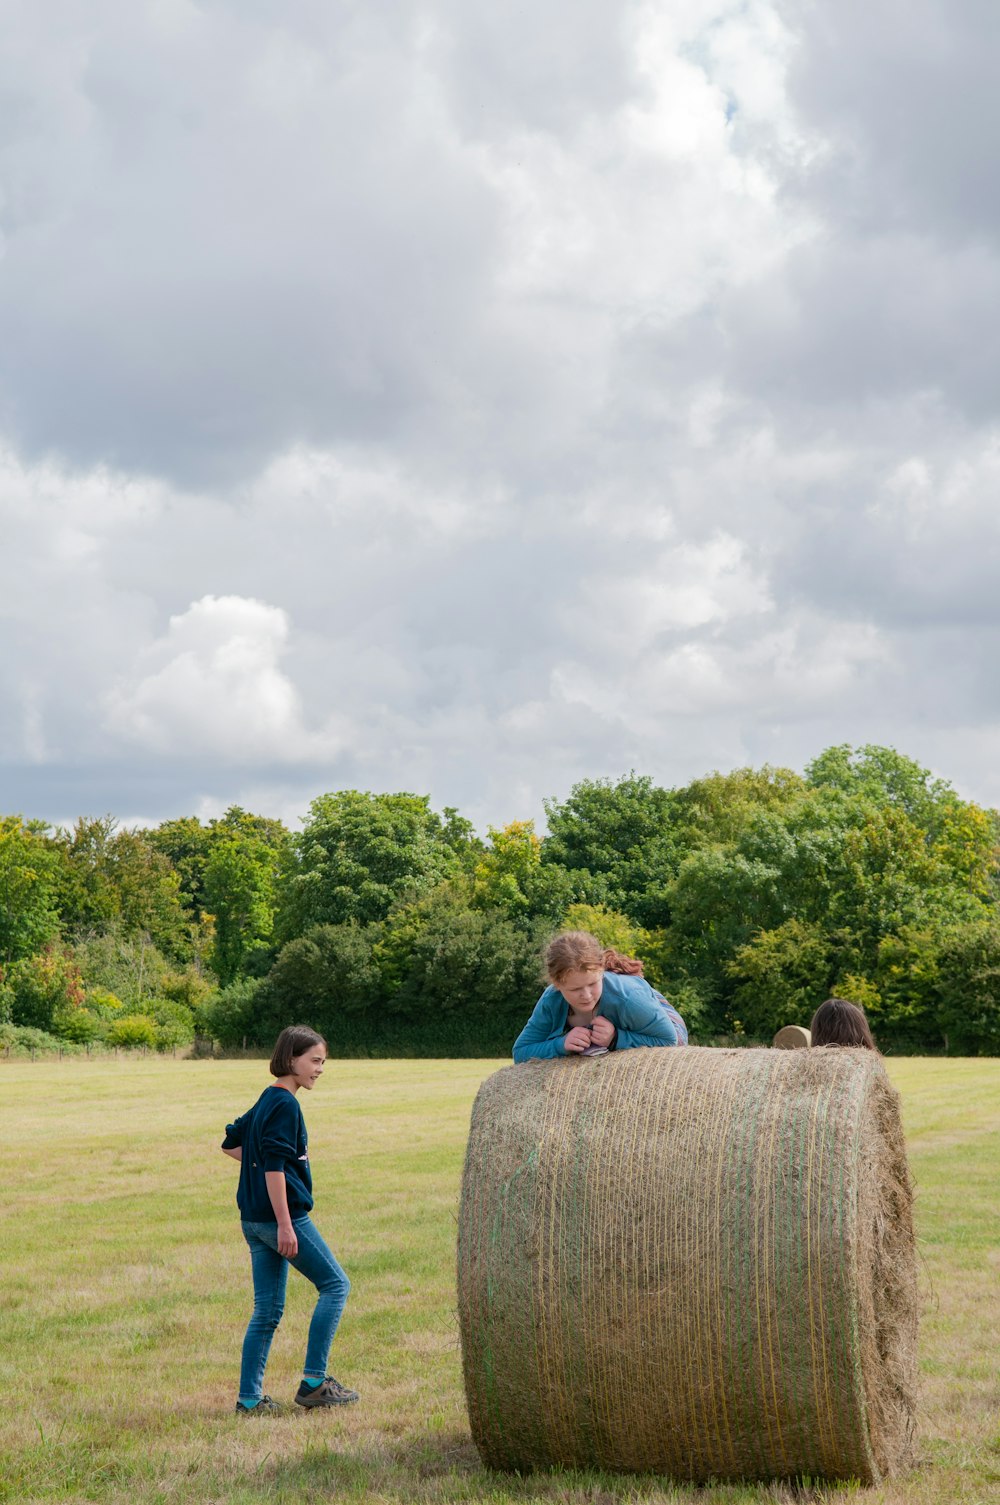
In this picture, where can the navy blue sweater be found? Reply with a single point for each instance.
(273, 1138)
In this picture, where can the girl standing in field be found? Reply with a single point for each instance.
(275, 1198)
(837, 1022)
(596, 1000)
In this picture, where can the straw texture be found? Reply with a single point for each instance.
(792, 1037)
(691, 1262)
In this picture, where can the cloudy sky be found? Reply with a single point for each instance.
(470, 398)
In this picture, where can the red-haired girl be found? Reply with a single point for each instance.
(596, 1000)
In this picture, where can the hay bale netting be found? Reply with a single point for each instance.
(792, 1037)
(691, 1262)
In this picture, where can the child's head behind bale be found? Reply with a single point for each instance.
(838, 1022)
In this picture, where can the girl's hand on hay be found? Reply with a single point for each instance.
(578, 1039)
(602, 1031)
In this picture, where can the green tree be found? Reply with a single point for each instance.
(447, 967)
(881, 776)
(130, 968)
(357, 855)
(969, 987)
(324, 977)
(185, 843)
(239, 892)
(79, 1025)
(241, 1013)
(28, 881)
(621, 837)
(908, 978)
(718, 809)
(854, 871)
(114, 878)
(509, 875)
(174, 1024)
(188, 845)
(781, 976)
(718, 902)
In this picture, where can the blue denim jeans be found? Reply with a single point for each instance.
(270, 1278)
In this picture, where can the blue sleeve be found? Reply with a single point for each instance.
(235, 1132)
(658, 1029)
(279, 1138)
(541, 1038)
(642, 1017)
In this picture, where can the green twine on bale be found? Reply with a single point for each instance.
(698, 1263)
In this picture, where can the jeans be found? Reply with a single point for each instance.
(270, 1278)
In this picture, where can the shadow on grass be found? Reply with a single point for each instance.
(439, 1468)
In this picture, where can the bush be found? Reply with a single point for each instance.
(174, 1023)
(231, 1015)
(104, 1005)
(38, 987)
(78, 1025)
(133, 1030)
(22, 1040)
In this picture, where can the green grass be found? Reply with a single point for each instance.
(124, 1292)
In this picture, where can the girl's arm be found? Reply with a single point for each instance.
(233, 1142)
(541, 1038)
(651, 1026)
(288, 1244)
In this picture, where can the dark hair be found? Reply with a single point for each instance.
(293, 1041)
(837, 1022)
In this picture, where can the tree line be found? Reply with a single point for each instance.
(396, 929)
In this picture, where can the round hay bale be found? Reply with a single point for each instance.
(695, 1262)
(792, 1037)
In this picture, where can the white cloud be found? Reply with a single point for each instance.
(212, 686)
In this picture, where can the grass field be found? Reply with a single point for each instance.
(124, 1292)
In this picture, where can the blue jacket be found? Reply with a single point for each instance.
(638, 1014)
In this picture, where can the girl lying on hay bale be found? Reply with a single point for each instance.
(597, 1000)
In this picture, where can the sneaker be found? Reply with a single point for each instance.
(330, 1393)
(264, 1407)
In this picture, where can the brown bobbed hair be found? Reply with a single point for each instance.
(579, 951)
(837, 1022)
(293, 1041)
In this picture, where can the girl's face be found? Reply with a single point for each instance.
(308, 1067)
(582, 990)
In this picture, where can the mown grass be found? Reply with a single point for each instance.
(124, 1291)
